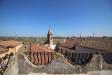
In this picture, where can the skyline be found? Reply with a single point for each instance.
(66, 17)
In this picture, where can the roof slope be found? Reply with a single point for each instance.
(94, 43)
(9, 43)
(101, 44)
(3, 50)
(39, 48)
(70, 42)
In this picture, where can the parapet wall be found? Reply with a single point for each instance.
(60, 65)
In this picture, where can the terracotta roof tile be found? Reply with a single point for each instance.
(42, 54)
(9, 43)
(100, 44)
(70, 42)
(103, 44)
(3, 50)
(39, 48)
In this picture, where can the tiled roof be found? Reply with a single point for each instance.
(70, 42)
(100, 43)
(40, 58)
(40, 54)
(3, 50)
(39, 48)
(9, 43)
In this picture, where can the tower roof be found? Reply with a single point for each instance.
(49, 31)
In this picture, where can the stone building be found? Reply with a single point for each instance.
(95, 52)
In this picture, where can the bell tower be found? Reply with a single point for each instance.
(50, 37)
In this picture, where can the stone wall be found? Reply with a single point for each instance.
(60, 65)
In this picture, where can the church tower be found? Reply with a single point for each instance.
(50, 37)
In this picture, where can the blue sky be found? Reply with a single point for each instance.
(66, 17)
